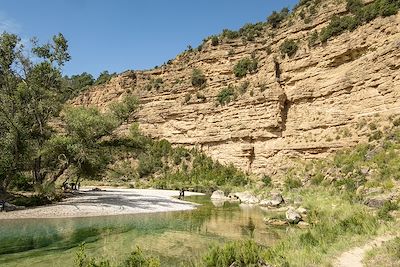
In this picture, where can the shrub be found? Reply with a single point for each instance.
(250, 31)
(312, 39)
(289, 47)
(277, 17)
(337, 26)
(238, 253)
(226, 95)
(384, 211)
(354, 6)
(292, 182)
(243, 87)
(198, 78)
(214, 40)
(244, 66)
(229, 34)
(360, 14)
(104, 77)
(266, 180)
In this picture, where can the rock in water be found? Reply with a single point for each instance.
(275, 201)
(292, 216)
(218, 195)
(247, 198)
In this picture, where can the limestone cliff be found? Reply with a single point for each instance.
(324, 98)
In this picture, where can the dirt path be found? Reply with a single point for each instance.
(354, 257)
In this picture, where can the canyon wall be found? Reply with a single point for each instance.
(324, 98)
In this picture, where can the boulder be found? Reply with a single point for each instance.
(275, 201)
(12, 207)
(247, 198)
(292, 216)
(377, 202)
(218, 195)
(302, 211)
(233, 198)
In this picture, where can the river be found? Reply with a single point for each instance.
(177, 238)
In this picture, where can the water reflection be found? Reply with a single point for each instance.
(170, 236)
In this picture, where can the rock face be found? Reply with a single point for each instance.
(322, 99)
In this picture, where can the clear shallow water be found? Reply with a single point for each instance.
(174, 237)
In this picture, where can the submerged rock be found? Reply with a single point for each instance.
(292, 216)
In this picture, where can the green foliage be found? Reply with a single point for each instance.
(354, 6)
(292, 182)
(384, 211)
(266, 180)
(313, 39)
(76, 84)
(214, 40)
(331, 229)
(198, 78)
(104, 77)
(250, 31)
(135, 259)
(276, 18)
(226, 95)
(360, 14)
(386, 255)
(289, 47)
(138, 259)
(154, 84)
(31, 93)
(229, 34)
(125, 108)
(237, 253)
(245, 66)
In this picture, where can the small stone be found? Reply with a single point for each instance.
(303, 224)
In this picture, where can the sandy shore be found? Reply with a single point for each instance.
(111, 201)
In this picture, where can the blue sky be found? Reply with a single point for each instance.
(125, 34)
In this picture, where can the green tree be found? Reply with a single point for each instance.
(30, 94)
(125, 108)
(104, 77)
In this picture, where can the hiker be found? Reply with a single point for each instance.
(181, 193)
(2, 205)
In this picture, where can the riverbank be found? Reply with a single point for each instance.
(108, 201)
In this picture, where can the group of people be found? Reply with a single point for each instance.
(72, 186)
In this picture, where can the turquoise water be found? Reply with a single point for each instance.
(175, 237)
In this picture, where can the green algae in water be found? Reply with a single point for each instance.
(174, 237)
